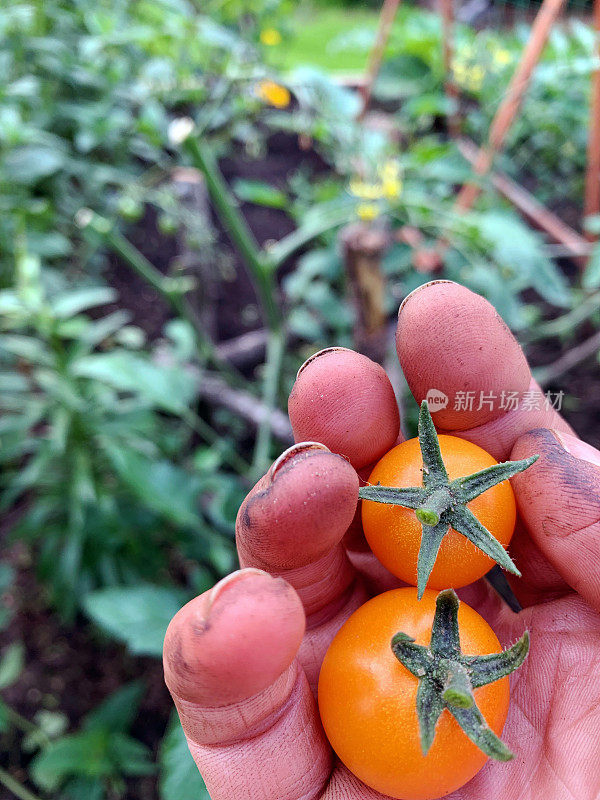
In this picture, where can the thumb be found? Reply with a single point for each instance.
(250, 719)
(559, 501)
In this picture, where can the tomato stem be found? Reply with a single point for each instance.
(447, 677)
(441, 504)
(437, 502)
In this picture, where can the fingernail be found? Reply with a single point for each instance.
(418, 289)
(292, 452)
(321, 353)
(226, 583)
(577, 448)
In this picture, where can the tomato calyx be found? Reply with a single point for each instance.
(441, 504)
(447, 677)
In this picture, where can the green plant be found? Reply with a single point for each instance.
(88, 94)
(93, 429)
(547, 143)
(93, 762)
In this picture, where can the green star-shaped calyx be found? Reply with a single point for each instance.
(441, 504)
(447, 677)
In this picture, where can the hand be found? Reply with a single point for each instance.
(240, 659)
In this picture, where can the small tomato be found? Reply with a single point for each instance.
(404, 703)
(438, 511)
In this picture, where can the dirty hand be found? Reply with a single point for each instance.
(241, 659)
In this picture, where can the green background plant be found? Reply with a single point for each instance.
(120, 480)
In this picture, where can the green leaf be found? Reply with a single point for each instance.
(11, 664)
(4, 717)
(169, 388)
(402, 76)
(131, 756)
(7, 576)
(83, 789)
(79, 754)
(118, 711)
(591, 276)
(71, 303)
(162, 486)
(138, 615)
(592, 224)
(179, 776)
(260, 193)
(13, 382)
(31, 163)
(27, 348)
(517, 246)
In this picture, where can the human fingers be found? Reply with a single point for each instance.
(346, 401)
(292, 524)
(559, 501)
(247, 711)
(453, 340)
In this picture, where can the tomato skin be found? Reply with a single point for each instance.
(367, 700)
(394, 533)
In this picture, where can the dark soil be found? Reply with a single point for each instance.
(236, 304)
(71, 669)
(581, 385)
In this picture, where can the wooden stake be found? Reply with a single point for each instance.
(364, 247)
(534, 212)
(450, 87)
(386, 20)
(509, 107)
(592, 178)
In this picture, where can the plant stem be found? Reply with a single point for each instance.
(17, 788)
(22, 722)
(239, 464)
(287, 246)
(549, 373)
(146, 270)
(567, 322)
(262, 273)
(275, 349)
(257, 261)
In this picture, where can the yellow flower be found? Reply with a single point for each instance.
(470, 78)
(475, 78)
(366, 191)
(274, 94)
(270, 36)
(391, 183)
(502, 57)
(367, 211)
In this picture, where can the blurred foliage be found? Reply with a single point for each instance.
(92, 763)
(548, 142)
(87, 89)
(92, 426)
(125, 485)
(546, 146)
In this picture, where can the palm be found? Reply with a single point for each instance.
(237, 659)
(555, 707)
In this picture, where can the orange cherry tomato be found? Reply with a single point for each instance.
(394, 533)
(367, 700)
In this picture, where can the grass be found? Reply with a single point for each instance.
(331, 38)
